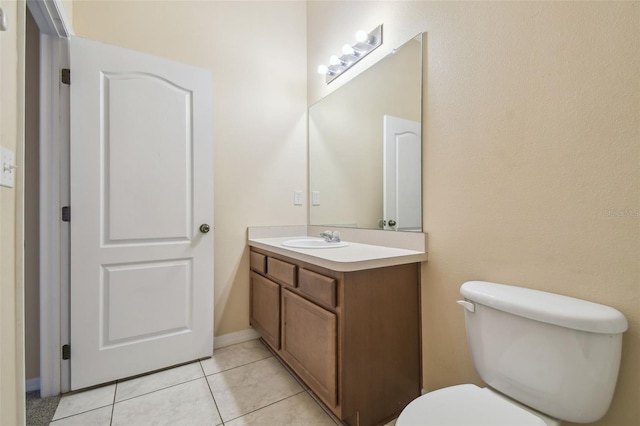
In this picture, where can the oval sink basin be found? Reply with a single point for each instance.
(313, 243)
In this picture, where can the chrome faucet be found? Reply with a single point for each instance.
(331, 236)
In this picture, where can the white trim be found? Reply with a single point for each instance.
(19, 241)
(55, 26)
(51, 17)
(32, 384)
(233, 338)
(52, 51)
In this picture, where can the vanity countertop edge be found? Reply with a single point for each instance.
(354, 257)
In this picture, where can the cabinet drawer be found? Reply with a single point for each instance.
(258, 262)
(319, 288)
(282, 271)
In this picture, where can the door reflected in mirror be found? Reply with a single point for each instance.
(365, 147)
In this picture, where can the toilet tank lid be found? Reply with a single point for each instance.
(546, 307)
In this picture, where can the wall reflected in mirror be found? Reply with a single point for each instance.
(365, 147)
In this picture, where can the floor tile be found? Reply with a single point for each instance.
(160, 380)
(235, 356)
(185, 404)
(298, 410)
(245, 389)
(85, 401)
(98, 417)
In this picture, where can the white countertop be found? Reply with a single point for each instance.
(354, 257)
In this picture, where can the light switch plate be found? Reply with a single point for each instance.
(297, 198)
(315, 198)
(7, 167)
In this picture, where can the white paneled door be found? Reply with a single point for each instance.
(402, 174)
(141, 211)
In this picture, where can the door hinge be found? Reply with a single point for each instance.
(66, 214)
(66, 351)
(66, 76)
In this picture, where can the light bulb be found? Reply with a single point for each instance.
(323, 69)
(362, 36)
(334, 60)
(348, 50)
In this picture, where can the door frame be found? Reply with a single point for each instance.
(55, 29)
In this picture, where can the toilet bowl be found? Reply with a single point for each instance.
(545, 358)
(469, 405)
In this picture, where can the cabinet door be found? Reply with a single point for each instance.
(309, 338)
(264, 313)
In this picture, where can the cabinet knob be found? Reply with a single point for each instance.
(204, 228)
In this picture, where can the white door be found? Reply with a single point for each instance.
(402, 175)
(141, 187)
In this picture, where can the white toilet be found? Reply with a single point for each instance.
(546, 358)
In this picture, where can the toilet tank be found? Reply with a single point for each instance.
(553, 353)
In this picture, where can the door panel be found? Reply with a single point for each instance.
(402, 174)
(135, 105)
(131, 294)
(141, 185)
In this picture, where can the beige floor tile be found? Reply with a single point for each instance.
(84, 401)
(185, 404)
(98, 417)
(235, 356)
(298, 410)
(245, 389)
(160, 380)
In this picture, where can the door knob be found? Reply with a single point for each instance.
(392, 222)
(204, 228)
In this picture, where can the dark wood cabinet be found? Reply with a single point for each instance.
(352, 337)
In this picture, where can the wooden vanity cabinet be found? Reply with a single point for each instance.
(352, 337)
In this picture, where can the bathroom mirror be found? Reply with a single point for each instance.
(365, 147)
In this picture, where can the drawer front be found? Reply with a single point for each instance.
(258, 262)
(282, 271)
(320, 288)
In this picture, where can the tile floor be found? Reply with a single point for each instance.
(240, 385)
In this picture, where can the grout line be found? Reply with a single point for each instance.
(81, 412)
(161, 389)
(212, 397)
(113, 405)
(268, 405)
(238, 366)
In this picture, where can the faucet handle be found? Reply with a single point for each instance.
(336, 236)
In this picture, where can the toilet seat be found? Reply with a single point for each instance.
(465, 405)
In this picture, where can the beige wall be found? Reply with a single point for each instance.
(531, 158)
(11, 289)
(256, 52)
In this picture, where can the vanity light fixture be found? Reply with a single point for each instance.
(351, 54)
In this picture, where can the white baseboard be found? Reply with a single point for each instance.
(233, 338)
(32, 384)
